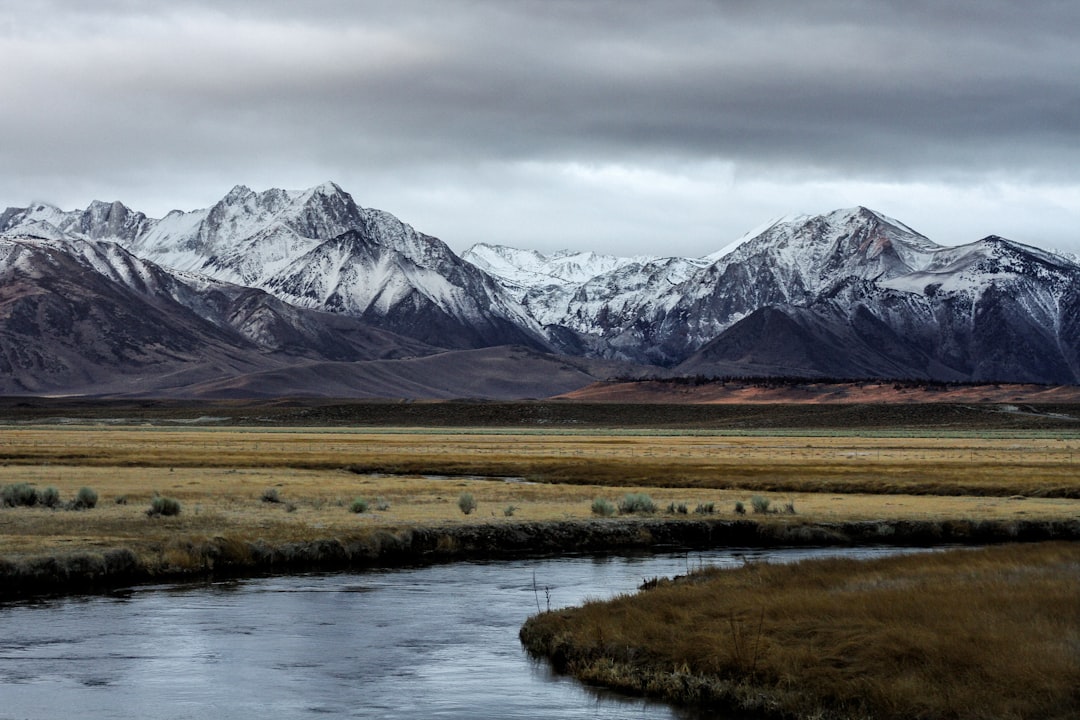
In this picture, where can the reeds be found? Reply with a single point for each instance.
(993, 633)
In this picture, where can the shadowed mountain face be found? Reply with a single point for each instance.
(315, 249)
(992, 310)
(848, 294)
(308, 293)
(76, 314)
(82, 317)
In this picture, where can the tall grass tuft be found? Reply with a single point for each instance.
(636, 503)
(85, 499)
(602, 507)
(705, 508)
(760, 504)
(466, 503)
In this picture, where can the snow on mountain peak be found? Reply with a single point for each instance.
(532, 269)
(238, 194)
(327, 188)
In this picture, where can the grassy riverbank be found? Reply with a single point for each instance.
(255, 497)
(992, 633)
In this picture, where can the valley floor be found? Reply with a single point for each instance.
(258, 495)
(257, 487)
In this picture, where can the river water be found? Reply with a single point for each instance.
(425, 642)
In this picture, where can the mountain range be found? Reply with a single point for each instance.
(307, 293)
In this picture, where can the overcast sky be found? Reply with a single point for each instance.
(623, 126)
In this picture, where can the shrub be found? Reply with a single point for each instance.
(509, 511)
(19, 495)
(636, 503)
(466, 503)
(49, 497)
(381, 504)
(160, 505)
(602, 507)
(789, 508)
(359, 505)
(271, 495)
(740, 509)
(121, 499)
(290, 507)
(85, 499)
(705, 509)
(760, 504)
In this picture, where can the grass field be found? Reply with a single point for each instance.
(971, 635)
(225, 478)
(219, 476)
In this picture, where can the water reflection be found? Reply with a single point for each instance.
(419, 642)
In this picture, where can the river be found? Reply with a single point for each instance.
(424, 642)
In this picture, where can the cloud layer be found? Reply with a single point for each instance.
(619, 125)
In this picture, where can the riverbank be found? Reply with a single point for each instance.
(259, 499)
(967, 634)
(189, 557)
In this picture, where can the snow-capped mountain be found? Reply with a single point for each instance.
(852, 293)
(298, 245)
(525, 269)
(660, 310)
(78, 314)
(312, 274)
(578, 291)
(792, 262)
(989, 310)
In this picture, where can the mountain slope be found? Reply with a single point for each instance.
(264, 281)
(575, 295)
(286, 243)
(76, 316)
(451, 304)
(498, 373)
(991, 310)
(791, 262)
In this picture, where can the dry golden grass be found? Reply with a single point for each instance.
(930, 465)
(219, 475)
(993, 633)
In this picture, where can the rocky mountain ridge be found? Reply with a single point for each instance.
(852, 293)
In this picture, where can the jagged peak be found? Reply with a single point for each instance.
(1001, 244)
(239, 193)
(327, 188)
(102, 208)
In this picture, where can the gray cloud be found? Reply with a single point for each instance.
(554, 108)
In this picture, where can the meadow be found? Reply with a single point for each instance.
(278, 485)
(278, 499)
(966, 634)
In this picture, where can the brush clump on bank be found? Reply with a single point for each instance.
(963, 634)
